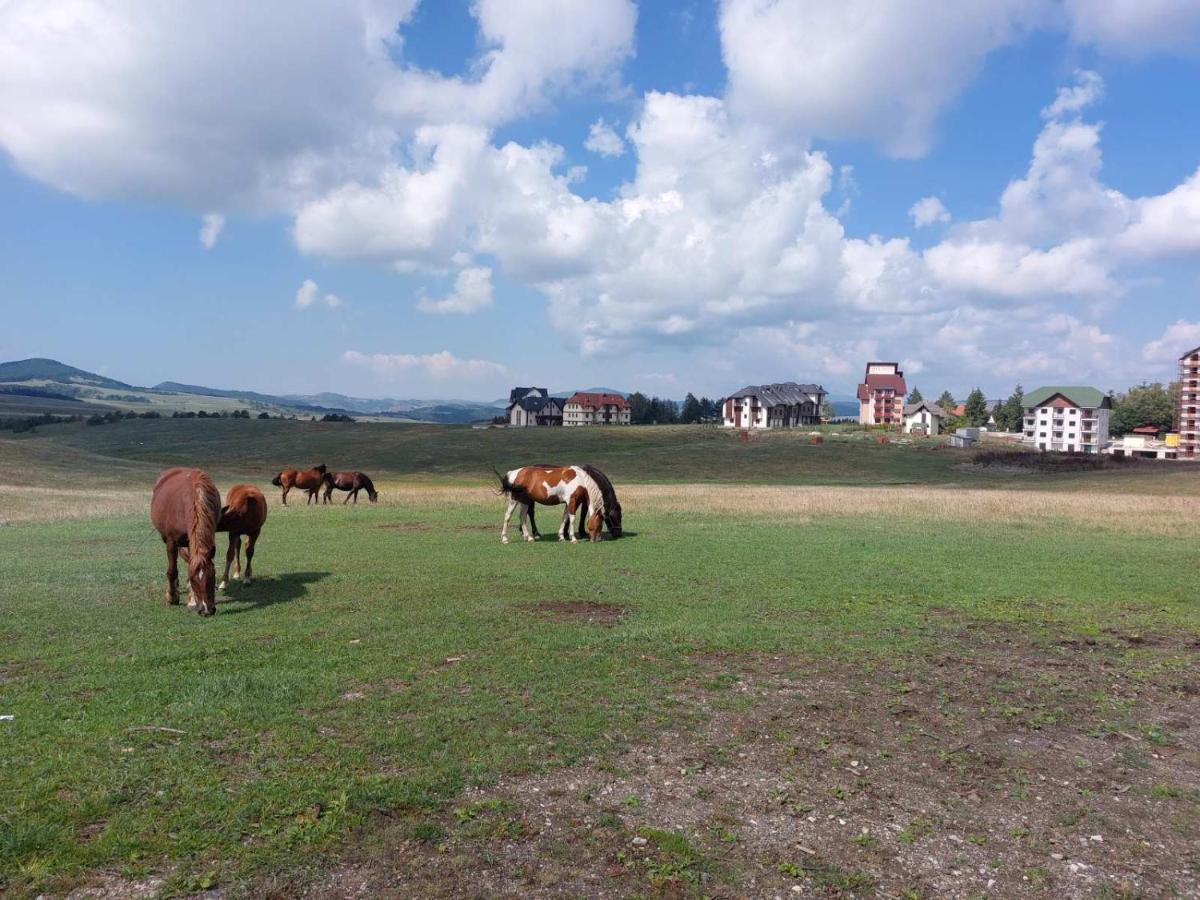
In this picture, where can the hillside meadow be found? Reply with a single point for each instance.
(845, 669)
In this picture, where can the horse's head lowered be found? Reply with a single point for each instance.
(202, 582)
(612, 517)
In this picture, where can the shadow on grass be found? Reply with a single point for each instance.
(264, 592)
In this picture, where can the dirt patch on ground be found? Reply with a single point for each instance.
(405, 526)
(578, 611)
(996, 767)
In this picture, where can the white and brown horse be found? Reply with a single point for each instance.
(551, 486)
(612, 506)
(184, 509)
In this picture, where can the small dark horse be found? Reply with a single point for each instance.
(307, 480)
(612, 508)
(244, 513)
(184, 509)
(352, 482)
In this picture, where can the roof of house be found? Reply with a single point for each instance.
(1082, 396)
(882, 383)
(1194, 350)
(593, 400)
(785, 393)
(518, 392)
(911, 409)
(1146, 429)
(536, 404)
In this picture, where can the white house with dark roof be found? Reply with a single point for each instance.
(1066, 419)
(531, 406)
(923, 418)
(783, 405)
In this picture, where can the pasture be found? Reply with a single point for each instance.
(837, 670)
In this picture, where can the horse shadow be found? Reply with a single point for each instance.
(264, 592)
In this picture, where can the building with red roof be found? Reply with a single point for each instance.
(881, 395)
(589, 408)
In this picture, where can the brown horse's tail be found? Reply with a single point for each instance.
(278, 480)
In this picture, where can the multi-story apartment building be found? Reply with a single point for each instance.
(1187, 411)
(587, 408)
(1066, 419)
(881, 395)
(783, 405)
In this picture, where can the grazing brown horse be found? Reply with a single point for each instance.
(244, 512)
(612, 507)
(550, 486)
(184, 509)
(308, 480)
(352, 482)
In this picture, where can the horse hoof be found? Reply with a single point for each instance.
(504, 540)
(530, 540)
(221, 586)
(247, 581)
(574, 540)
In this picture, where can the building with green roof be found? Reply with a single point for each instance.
(1066, 419)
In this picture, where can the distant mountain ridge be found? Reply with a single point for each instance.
(49, 379)
(41, 369)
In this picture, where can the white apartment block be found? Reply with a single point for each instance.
(1066, 420)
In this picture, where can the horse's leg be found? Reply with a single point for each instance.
(533, 522)
(172, 573)
(567, 529)
(583, 516)
(237, 559)
(228, 561)
(525, 532)
(512, 504)
(286, 488)
(354, 494)
(251, 539)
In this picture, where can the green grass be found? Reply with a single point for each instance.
(388, 657)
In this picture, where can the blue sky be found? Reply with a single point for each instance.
(743, 212)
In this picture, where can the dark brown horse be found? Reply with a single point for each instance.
(244, 512)
(612, 507)
(184, 509)
(352, 482)
(307, 480)
(550, 486)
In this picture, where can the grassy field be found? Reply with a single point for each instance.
(849, 668)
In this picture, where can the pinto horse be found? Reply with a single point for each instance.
(550, 486)
(185, 508)
(244, 512)
(612, 507)
(307, 480)
(352, 482)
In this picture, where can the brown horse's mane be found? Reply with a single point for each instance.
(606, 488)
(202, 532)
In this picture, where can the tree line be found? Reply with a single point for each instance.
(645, 410)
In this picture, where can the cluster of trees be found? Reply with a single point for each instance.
(1144, 404)
(30, 423)
(116, 416)
(204, 414)
(336, 417)
(645, 410)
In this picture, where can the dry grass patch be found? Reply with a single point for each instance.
(1129, 512)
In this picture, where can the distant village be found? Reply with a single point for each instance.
(1151, 421)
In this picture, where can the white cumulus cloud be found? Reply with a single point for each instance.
(602, 139)
(928, 211)
(211, 225)
(309, 293)
(443, 365)
(472, 292)
(1179, 337)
